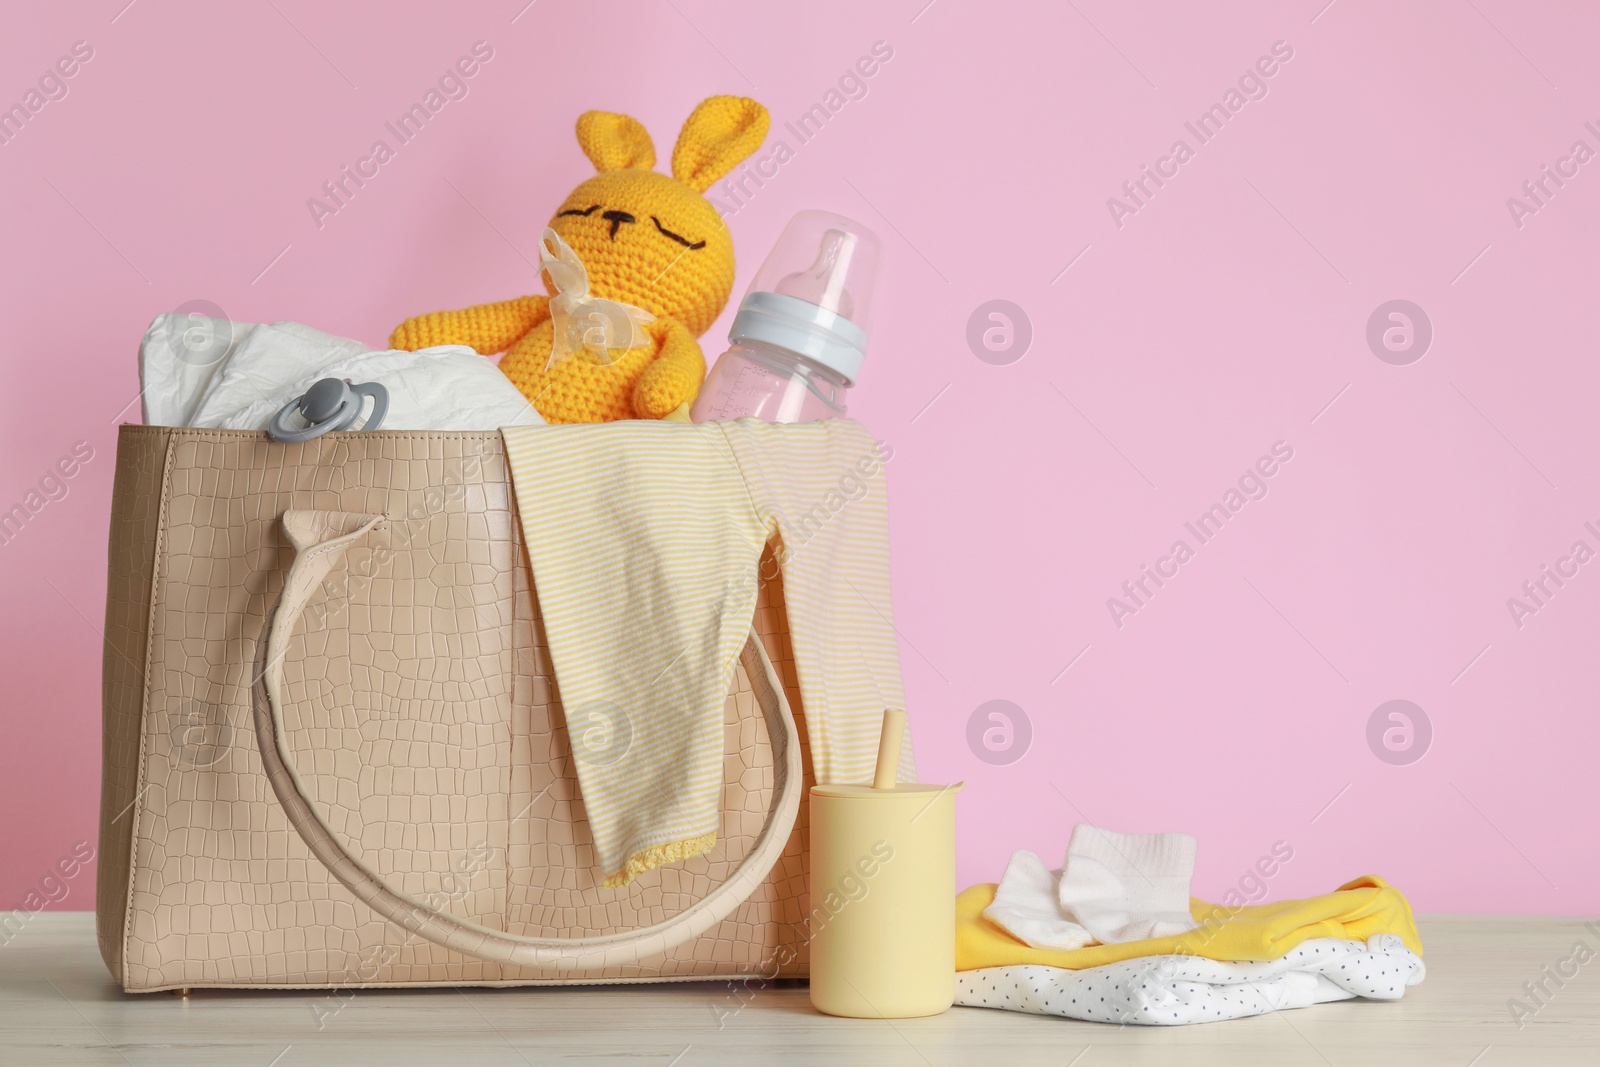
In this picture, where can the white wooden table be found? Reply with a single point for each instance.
(59, 1006)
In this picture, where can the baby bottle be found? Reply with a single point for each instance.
(800, 335)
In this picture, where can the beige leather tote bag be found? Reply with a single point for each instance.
(335, 755)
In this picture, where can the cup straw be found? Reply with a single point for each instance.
(894, 732)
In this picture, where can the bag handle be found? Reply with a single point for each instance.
(320, 539)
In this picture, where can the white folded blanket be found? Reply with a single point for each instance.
(1173, 990)
(197, 371)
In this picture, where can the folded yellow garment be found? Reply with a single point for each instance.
(1356, 910)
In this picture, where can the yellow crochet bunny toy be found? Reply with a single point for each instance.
(645, 239)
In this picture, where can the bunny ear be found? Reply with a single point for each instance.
(722, 131)
(614, 142)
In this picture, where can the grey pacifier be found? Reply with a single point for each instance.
(330, 404)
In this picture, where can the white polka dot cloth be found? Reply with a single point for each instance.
(1173, 990)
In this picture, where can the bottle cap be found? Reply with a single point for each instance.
(813, 294)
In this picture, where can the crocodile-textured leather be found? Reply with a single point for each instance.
(421, 713)
(320, 540)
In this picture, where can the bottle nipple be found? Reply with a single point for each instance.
(822, 283)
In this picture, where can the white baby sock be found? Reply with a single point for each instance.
(1127, 887)
(1026, 906)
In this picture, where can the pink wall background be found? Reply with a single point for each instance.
(1168, 353)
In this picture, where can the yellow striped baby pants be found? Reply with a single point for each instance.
(644, 538)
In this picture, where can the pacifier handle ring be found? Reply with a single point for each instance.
(279, 430)
(348, 411)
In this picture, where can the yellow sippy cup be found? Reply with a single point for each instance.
(883, 892)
